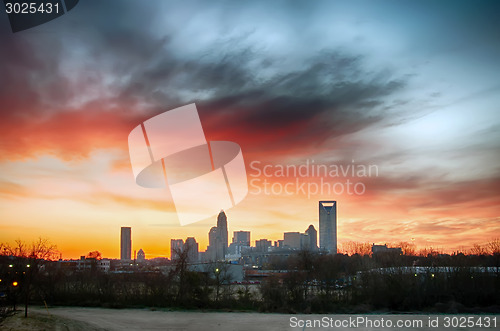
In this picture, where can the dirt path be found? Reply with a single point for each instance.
(146, 319)
(75, 318)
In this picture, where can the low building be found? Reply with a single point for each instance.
(262, 245)
(377, 249)
(141, 256)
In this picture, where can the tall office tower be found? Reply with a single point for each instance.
(221, 242)
(328, 226)
(212, 236)
(312, 238)
(241, 238)
(126, 243)
(192, 249)
(176, 246)
(212, 244)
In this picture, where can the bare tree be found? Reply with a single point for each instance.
(429, 252)
(222, 276)
(407, 248)
(30, 258)
(354, 247)
(94, 255)
(478, 250)
(180, 263)
(494, 246)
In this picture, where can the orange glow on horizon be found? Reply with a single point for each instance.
(80, 194)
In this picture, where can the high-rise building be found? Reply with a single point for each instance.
(328, 226)
(218, 240)
(176, 246)
(126, 243)
(297, 240)
(210, 254)
(191, 246)
(311, 238)
(221, 240)
(262, 245)
(292, 240)
(241, 238)
(212, 236)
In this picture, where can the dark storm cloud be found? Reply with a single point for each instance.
(57, 88)
(28, 71)
(116, 63)
(328, 97)
(328, 94)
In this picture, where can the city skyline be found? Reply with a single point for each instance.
(126, 247)
(399, 118)
(219, 249)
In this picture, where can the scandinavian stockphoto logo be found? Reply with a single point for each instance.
(170, 150)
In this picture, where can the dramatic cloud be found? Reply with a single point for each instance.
(411, 88)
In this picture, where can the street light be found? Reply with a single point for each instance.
(27, 266)
(10, 265)
(15, 284)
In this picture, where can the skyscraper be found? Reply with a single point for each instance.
(262, 245)
(221, 240)
(292, 240)
(126, 243)
(241, 238)
(191, 246)
(210, 253)
(176, 246)
(312, 238)
(328, 226)
(212, 237)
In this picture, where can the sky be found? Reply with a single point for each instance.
(408, 89)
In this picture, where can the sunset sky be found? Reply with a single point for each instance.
(410, 88)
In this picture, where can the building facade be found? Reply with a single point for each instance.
(292, 240)
(241, 238)
(126, 243)
(222, 237)
(176, 246)
(262, 245)
(141, 256)
(310, 239)
(211, 252)
(191, 246)
(328, 226)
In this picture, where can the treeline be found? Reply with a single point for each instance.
(176, 288)
(385, 282)
(409, 248)
(24, 278)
